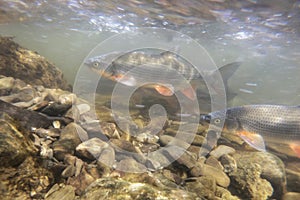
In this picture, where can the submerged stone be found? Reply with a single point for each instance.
(121, 189)
(29, 66)
(247, 182)
(272, 168)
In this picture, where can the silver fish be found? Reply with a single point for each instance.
(257, 124)
(166, 68)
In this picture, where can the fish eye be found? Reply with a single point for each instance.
(217, 121)
(95, 64)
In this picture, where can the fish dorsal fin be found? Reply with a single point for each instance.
(228, 70)
(255, 140)
(165, 90)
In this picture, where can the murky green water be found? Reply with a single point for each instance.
(263, 36)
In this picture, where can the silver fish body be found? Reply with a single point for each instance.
(259, 123)
(166, 68)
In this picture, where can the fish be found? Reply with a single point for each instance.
(261, 124)
(166, 68)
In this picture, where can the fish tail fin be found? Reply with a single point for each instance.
(228, 70)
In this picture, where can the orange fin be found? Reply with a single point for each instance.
(189, 93)
(255, 140)
(296, 148)
(164, 90)
(125, 79)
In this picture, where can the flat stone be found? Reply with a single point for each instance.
(91, 148)
(221, 150)
(62, 192)
(293, 176)
(169, 140)
(206, 170)
(107, 156)
(122, 189)
(212, 161)
(71, 136)
(291, 196)
(82, 181)
(130, 165)
(68, 171)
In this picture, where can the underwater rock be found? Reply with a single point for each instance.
(29, 66)
(224, 194)
(169, 140)
(206, 170)
(29, 180)
(121, 189)
(68, 171)
(272, 168)
(221, 150)
(291, 196)
(293, 176)
(228, 163)
(82, 181)
(204, 186)
(91, 149)
(26, 118)
(107, 156)
(61, 192)
(130, 165)
(157, 160)
(14, 146)
(71, 136)
(246, 181)
(6, 85)
(212, 161)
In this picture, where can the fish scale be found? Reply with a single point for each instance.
(164, 72)
(167, 59)
(259, 123)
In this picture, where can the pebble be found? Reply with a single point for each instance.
(91, 148)
(61, 192)
(221, 150)
(206, 170)
(71, 136)
(78, 166)
(68, 171)
(291, 196)
(130, 165)
(107, 156)
(83, 108)
(293, 176)
(228, 163)
(169, 140)
(212, 161)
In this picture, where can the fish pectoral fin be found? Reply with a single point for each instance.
(296, 148)
(189, 93)
(165, 90)
(125, 79)
(255, 140)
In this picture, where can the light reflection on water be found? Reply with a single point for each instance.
(263, 35)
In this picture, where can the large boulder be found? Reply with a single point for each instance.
(32, 68)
